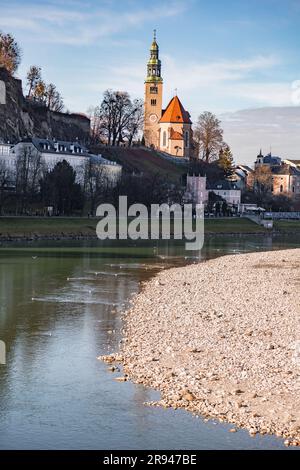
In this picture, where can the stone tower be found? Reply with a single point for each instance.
(153, 97)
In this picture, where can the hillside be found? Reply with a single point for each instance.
(20, 119)
(142, 161)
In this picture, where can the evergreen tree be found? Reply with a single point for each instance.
(60, 190)
(226, 161)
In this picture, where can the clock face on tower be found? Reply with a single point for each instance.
(153, 118)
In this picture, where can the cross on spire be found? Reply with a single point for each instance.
(154, 35)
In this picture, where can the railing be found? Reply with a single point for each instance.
(282, 215)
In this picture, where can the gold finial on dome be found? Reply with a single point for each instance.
(154, 46)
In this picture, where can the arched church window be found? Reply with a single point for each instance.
(186, 139)
(164, 139)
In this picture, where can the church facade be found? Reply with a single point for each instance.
(168, 130)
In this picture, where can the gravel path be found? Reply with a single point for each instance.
(222, 339)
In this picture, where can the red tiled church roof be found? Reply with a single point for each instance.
(175, 112)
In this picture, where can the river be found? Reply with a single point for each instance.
(61, 306)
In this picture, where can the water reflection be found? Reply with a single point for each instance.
(60, 308)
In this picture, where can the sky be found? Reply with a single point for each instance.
(238, 59)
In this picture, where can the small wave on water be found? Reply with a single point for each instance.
(65, 300)
(106, 273)
(42, 333)
(127, 265)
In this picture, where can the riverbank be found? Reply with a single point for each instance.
(221, 339)
(77, 228)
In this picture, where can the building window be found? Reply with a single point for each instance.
(186, 139)
(281, 188)
(153, 102)
(293, 189)
(153, 90)
(164, 139)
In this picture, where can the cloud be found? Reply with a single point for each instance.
(83, 24)
(193, 75)
(269, 128)
(222, 80)
(271, 94)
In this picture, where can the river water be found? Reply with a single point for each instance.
(60, 307)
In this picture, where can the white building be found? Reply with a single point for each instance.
(52, 152)
(5, 149)
(228, 191)
(198, 190)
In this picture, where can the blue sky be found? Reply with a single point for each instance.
(222, 56)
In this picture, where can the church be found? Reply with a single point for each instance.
(167, 130)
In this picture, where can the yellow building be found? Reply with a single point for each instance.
(168, 130)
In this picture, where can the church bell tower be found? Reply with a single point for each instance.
(153, 97)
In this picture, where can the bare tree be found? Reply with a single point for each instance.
(10, 53)
(135, 121)
(97, 130)
(45, 94)
(261, 182)
(33, 78)
(29, 170)
(54, 101)
(5, 180)
(96, 183)
(107, 114)
(119, 118)
(208, 137)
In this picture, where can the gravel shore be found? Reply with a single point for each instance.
(222, 340)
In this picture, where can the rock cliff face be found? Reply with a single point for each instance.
(20, 119)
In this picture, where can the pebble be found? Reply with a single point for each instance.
(232, 331)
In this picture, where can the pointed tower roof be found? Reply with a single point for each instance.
(175, 112)
(154, 63)
(154, 45)
(260, 153)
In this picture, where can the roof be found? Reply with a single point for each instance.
(272, 160)
(58, 146)
(285, 169)
(154, 46)
(244, 168)
(174, 135)
(224, 184)
(294, 162)
(61, 147)
(175, 113)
